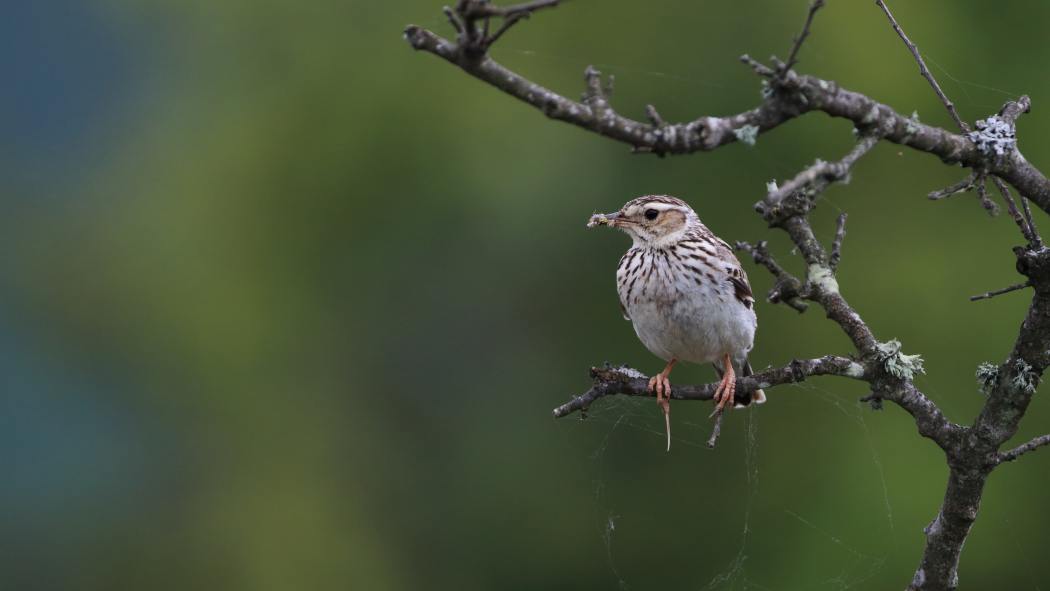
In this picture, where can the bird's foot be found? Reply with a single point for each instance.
(726, 391)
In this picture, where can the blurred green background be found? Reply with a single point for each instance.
(286, 305)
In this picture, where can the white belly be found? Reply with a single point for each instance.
(694, 331)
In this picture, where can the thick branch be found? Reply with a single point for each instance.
(1019, 375)
(631, 382)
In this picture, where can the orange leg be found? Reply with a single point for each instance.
(662, 387)
(726, 388)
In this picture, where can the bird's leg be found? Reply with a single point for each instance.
(661, 386)
(727, 387)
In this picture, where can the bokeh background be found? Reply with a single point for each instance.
(286, 305)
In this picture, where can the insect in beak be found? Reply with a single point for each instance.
(605, 219)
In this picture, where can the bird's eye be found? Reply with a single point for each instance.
(650, 214)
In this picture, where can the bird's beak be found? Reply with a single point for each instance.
(605, 219)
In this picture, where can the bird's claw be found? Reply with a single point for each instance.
(725, 393)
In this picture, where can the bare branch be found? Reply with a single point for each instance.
(802, 94)
(991, 294)
(631, 382)
(1020, 450)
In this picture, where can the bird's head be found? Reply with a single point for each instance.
(653, 220)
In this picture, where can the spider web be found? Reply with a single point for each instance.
(617, 414)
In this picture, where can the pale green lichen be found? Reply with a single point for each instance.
(747, 134)
(771, 187)
(1026, 380)
(911, 128)
(822, 277)
(767, 90)
(854, 370)
(987, 376)
(898, 364)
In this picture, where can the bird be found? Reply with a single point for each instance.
(686, 294)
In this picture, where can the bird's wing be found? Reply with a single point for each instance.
(735, 272)
(741, 288)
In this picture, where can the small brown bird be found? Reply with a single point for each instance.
(686, 294)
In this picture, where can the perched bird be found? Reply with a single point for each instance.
(686, 294)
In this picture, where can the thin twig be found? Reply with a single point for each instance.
(1036, 239)
(960, 187)
(453, 19)
(1020, 450)
(823, 172)
(654, 116)
(983, 199)
(992, 294)
(836, 245)
(1011, 206)
(716, 430)
(508, 22)
(479, 8)
(948, 104)
(793, 56)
